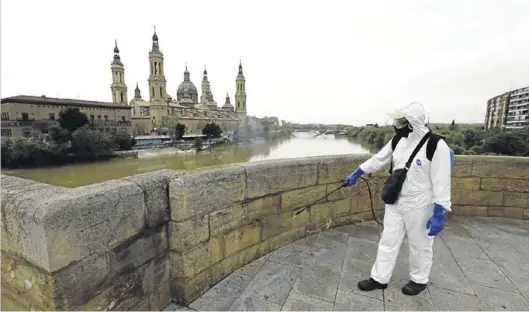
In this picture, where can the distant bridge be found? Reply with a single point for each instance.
(321, 131)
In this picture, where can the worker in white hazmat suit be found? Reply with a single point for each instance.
(420, 208)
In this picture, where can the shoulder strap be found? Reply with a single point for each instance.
(394, 141)
(431, 146)
(416, 150)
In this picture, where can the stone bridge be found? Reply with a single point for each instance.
(151, 241)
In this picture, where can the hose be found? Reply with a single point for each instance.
(304, 208)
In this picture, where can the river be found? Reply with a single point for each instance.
(301, 145)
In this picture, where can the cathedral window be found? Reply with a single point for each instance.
(121, 97)
(161, 92)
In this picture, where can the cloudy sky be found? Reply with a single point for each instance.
(304, 61)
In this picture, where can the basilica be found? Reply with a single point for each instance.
(161, 110)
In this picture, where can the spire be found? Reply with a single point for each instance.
(116, 50)
(186, 75)
(155, 46)
(240, 67)
(137, 92)
(227, 98)
(117, 59)
(205, 71)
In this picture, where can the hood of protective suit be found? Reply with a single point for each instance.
(416, 115)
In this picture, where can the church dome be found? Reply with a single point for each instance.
(187, 88)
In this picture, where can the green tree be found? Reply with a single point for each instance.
(506, 143)
(179, 131)
(124, 141)
(452, 126)
(72, 119)
(211, 131)
(197, 143)
(91, 144)
(58, 134)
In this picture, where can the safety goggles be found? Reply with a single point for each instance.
(400, 123)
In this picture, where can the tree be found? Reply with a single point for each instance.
(72, 119)
(124, 141)
(211, 130)
(90, 144)
(58, 134)
(179, 131)
(506, 143)
(452, 126)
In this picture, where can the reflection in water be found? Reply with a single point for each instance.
(303, 145)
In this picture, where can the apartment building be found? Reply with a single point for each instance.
(509, 110)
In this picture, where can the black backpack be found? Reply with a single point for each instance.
(431, 146)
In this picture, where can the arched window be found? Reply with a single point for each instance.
(155, 68)
(153, 95)
(161, 92)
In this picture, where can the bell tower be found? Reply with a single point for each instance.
(240, 94)
(157, 82)
(118, 86)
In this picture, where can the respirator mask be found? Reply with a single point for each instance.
(402, 127)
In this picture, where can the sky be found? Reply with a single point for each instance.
(347, 62)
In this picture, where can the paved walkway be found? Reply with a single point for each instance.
(479, 264)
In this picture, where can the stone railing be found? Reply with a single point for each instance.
(139, 242)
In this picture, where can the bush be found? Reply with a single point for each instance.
(23, 152)
(197, 143)
(91, 144)
(124, 141)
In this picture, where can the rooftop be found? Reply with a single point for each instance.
(60, 101)
(320, 272)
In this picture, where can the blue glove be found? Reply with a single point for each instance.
(353, 176)
(436, 222)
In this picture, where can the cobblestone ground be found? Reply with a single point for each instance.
(479, 264)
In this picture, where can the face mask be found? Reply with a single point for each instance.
(402, 127)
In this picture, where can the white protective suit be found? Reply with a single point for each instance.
(426, 183)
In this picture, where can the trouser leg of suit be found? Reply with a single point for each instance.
(420, 244)
(389, 245)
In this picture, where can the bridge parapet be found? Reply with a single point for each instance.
(138, 242)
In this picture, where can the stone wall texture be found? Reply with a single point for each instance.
(139, 242)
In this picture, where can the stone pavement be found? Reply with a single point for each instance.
(479, 264)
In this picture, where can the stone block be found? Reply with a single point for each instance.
(241, 238)
(510, 185)
(264, 206)
(275, 225)
(189, 233)
(271, 177)
(344, 192)
(336, 168)
(505, 212)
(224, 220)
(185, 290)
(513, 199)
(191, 262)
(22, 233)
(234, 262)
(525, 214)
(79, 282)
(155, 187)
(472, 184)
(462, 167)
(199, 193)
(500, 167)
(302, 197)
(125, 291)
(475, 211)
(322, 215)
(216, 249)
(159, 298)
(26, 286)
(138, 250)
(283, 239)
(477, 198)
(90, 219)
(15, 301)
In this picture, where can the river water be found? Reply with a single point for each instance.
(301, 145)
